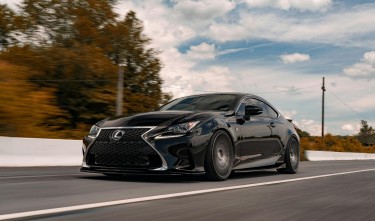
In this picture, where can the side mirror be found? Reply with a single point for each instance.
(252, 110)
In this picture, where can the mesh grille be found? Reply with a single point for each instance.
(129, 151)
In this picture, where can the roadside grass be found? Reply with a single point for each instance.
(334, 143)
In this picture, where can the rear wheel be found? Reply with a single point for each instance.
(292, 157)
(219, 157)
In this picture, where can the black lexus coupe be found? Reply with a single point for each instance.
(212, 134)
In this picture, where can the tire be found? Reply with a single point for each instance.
(292, 157)
(219, 157)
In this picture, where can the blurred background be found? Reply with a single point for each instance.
(59, 67)
(64, 65)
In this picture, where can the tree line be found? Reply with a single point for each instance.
(59, 63)
(363, 141)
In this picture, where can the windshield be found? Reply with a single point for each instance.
(212, 102)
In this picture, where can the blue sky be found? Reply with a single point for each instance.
(278, 49)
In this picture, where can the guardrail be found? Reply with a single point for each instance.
(313, 155)
(26, 152)
(16, 152)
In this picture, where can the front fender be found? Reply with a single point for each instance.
(200, 142)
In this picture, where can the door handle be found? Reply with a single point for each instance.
(272, 124)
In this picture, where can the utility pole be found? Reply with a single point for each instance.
(323, 90)
(120, 90)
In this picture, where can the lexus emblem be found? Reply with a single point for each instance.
(117, 134)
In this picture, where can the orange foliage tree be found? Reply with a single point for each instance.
(331, 143)
(24, 108)
(66, 62)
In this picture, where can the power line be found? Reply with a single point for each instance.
(337, 97)
(267, 92)
(290, 90)
(177, 87)
(185, 89)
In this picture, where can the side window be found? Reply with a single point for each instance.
(252, 101)
(262, 105)
(271, 112)
(267, 110)
(241, 109)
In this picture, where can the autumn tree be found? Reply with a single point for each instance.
(24, 108)
(366, 134)
(73, 49)
(129, 49)
(300, 132)
(66, 23)
(8, 24)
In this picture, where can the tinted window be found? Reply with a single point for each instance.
(271, 112)
(241, 109)
(254, 102)
(213, 102)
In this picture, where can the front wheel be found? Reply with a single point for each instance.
(219, 157)
(292, 157)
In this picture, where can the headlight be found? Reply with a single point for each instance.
(94, 131)
(182, 128)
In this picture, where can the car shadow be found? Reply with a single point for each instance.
(177, 178)
(243, 174)
(147, 178)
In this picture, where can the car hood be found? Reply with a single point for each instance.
(158, 118)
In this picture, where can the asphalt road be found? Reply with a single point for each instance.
(266, 195)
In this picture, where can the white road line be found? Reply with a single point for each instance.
(165, 196)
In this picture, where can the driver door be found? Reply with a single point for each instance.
(256, 146)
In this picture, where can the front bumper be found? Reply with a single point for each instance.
(121, 170)
(184, 154)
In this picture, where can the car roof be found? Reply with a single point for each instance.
(239, 96)
(221, 93)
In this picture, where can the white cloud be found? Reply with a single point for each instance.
(189, 81)
(290, 90)
(302, 5)
(226, 32)
(203, 51)
(11, 3)
(289, 115)
(369, 57)
(364, 69)
(347, 127)
(311, 127)
(351, 128)
(342, 27)
(160, 21)
(213, 78)
(307, 122)
(200, 13)
(293, 58)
